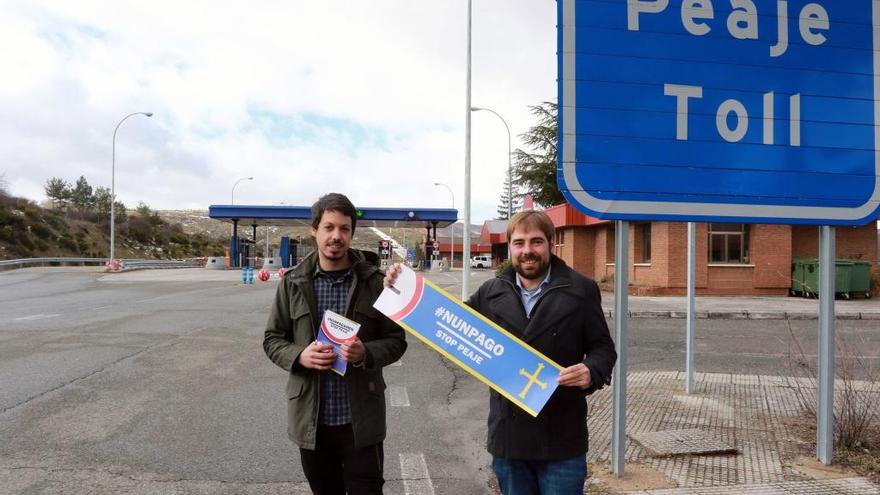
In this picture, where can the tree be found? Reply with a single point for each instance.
(81, 195)
(121, 212)
(4, 185)
(504, 201)
(535, 173)
(57, 190)
(102, 199)
(143, 209)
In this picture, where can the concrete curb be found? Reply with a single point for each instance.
(741, 315)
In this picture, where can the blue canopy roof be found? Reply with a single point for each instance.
(302, 215)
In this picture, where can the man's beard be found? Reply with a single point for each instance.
(340, 250)
(540, 268)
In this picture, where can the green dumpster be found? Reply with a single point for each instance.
(860, 279)
(842, 277)
(797, 277)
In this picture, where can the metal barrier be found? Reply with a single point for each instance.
(124, 264)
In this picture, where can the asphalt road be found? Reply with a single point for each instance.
(156, 382)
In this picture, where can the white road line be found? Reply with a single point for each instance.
(396, 364)
(414, 472)
(102, 307)
(399, 397)
(35, 317)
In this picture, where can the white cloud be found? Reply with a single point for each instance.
(368, 98)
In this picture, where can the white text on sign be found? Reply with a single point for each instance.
(742, 23)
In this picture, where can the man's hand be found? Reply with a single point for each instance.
(575, 376)
(354, 351)
(317, 356)
(391, 275)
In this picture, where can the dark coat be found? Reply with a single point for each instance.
(568, 326)
(293, 325)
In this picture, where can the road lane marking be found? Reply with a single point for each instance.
(399, 397)
(35, 317)
(414, 473)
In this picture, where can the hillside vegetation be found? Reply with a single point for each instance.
(28, 230)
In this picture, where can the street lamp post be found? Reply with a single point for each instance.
(232, 196)
(509, 153)
(235, 222)
(113, 186)
(452, 239)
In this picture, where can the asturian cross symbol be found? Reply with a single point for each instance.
(533, 379)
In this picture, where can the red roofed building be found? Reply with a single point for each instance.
(732, 259)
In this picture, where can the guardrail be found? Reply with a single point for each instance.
(125, 264)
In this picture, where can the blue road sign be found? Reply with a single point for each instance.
(756, 111)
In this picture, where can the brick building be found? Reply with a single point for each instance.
(732, 259)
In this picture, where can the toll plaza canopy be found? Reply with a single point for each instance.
(283, 215)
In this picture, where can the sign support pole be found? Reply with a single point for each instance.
(691, 304)
(825, 411)
(621, 330)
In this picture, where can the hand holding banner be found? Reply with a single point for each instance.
(494, 356)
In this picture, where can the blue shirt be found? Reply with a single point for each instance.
(531, 296)
(331, 292)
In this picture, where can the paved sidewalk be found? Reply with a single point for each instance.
(753, 413)
(742, 307)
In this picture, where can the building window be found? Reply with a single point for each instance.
(728, 243)
(645, 235)
(560, 239)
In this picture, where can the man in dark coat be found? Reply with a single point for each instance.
(557, 311)
(337, 421)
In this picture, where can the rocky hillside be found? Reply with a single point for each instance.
(28, 230)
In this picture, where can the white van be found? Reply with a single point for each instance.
(482, 261)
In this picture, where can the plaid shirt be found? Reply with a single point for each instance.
(331, 291)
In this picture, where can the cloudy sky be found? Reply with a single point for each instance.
(361, 97)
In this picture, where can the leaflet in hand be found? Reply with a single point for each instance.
(335, 330)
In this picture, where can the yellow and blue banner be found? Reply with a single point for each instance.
(485, 350)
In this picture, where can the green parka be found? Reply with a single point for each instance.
(293, 325)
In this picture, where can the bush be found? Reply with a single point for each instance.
(41, 231)
(502, 266)
(7, 233)
(856, 401)
(140, 229)
(180, 238)
(66, 242)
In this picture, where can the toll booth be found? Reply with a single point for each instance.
(248, 253)
(289, 252)
(234, 251)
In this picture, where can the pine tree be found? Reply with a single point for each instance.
(81, 195)
(102, 201)
(57, 190)
(535, 172)
(505, 200)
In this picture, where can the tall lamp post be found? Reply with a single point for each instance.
(235, 247)
(113, 186)
(232, 196)
(452, 240)
(509, 153)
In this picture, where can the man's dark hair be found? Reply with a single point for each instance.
(333, 202)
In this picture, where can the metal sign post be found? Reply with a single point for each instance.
(691, 312)
(825, 411)
(621, 339)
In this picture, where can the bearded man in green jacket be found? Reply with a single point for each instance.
(338, 422)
